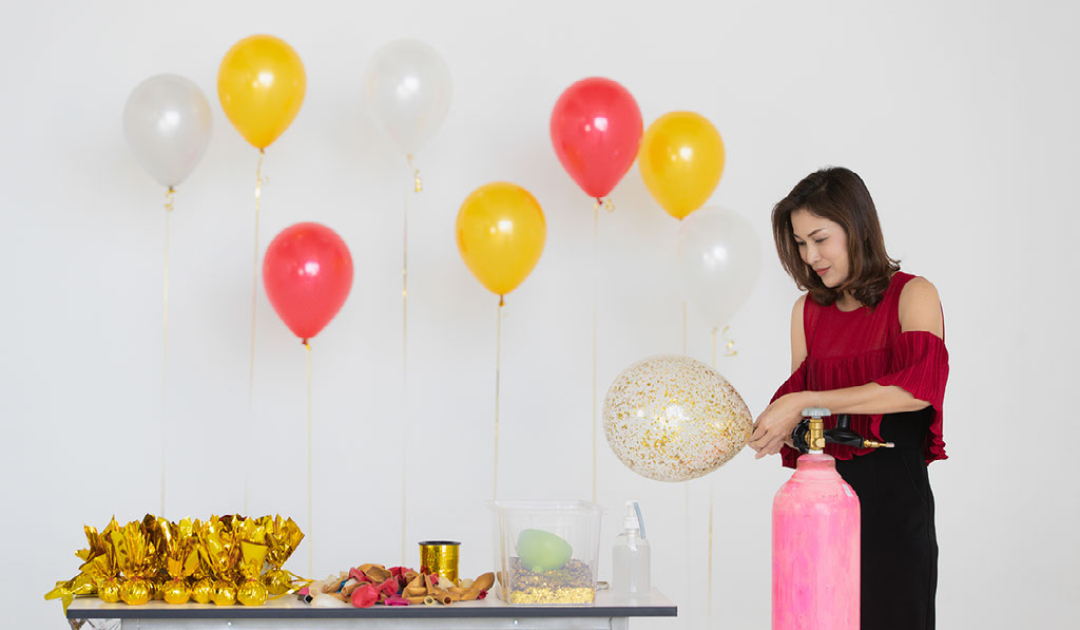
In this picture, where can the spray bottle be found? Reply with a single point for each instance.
(630, 555)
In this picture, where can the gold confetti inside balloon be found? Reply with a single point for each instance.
(671, 418)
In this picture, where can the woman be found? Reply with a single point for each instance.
(866, 340)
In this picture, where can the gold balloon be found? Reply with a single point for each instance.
(671, 418)
(252, 593)
(261, 85)
(203, 590)
(681, 160)
(109, 591)
(136, 591)
(277, 582)
(176, 592)
(500, 234)
(224, 593)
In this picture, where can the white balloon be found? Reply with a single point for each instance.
(167, 124)
(408, 92)
(719, 261)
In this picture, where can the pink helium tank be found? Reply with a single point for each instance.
(815, 549)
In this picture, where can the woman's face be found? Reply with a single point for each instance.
(822, 244)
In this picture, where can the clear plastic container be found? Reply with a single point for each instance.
(547, 552)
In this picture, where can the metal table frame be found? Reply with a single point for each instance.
(609, 612)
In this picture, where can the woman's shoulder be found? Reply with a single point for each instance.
(920, 306)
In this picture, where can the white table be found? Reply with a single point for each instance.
(609, 612)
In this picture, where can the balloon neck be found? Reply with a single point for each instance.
(262, 150)
(502, 302)
(304, 342)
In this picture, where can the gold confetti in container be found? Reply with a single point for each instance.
(441, 557)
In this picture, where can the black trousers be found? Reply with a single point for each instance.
(899, 544)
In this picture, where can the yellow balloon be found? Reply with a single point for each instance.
(261, 84)
(500, 234)
(681, 160)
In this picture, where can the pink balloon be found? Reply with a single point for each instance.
(596, 129)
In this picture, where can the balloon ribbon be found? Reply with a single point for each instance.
(254, 294)
(165, 346)
(311, 526)
(405, 371)
(498, 365)
(596, 232)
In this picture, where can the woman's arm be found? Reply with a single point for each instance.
(920, 309)
(798, 335)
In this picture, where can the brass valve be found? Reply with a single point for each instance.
(810, 434)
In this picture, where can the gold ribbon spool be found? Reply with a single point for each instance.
(441, 557)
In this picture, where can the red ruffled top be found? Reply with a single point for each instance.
(852, 348)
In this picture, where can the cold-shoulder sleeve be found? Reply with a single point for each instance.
(919, 364)
(795, 383)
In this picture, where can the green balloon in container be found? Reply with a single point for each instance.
(542, 551)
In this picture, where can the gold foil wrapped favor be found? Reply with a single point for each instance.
(178, 546)
(220, 551)
(252, 593)
(222, 560)
(252, 590)
(224, 593)
(136, 591)
(283, 536)
(203, 590)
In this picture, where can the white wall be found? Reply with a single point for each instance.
(961, 117)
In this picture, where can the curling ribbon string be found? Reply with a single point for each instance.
(498, 366)
(254, 294)
(418, 185)
(596, 248)
(729, 343)
(311, 526)
(405, 376)
(165, 347)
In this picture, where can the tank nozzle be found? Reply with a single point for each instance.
(815, 434)
(873, 444)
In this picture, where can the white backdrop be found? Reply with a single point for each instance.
(960, 116)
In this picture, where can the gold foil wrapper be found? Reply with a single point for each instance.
(109, 591)
(224, 593)
(203, 590)
(440, 557)
(136, 591)
(278, 582)
(252, 593)
(213, 561)
(176, 592)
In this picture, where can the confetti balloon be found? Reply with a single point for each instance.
(671, 418)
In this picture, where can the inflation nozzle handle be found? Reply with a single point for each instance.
(810, 434)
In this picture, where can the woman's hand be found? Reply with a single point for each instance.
(775, 424)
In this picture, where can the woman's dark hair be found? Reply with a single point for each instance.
(837, 194)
